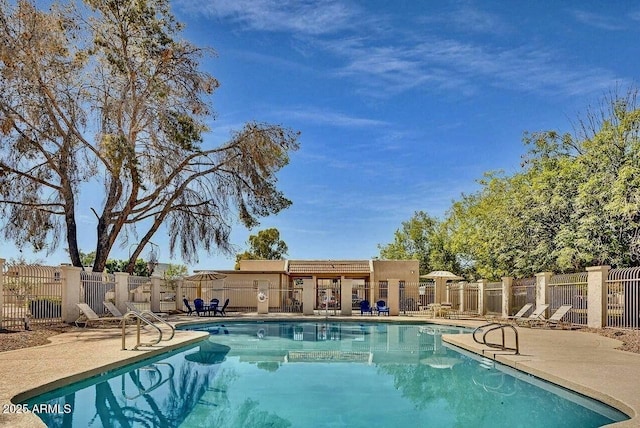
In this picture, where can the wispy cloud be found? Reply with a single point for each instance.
(598, 21)
(330, 118)
(312, 17)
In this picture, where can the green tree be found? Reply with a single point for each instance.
(421, 238)
(266, 245)
(106, 92)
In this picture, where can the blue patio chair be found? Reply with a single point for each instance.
(365, 307)
(381, 307)
(213, 305)
(199, 306)
(221, 310)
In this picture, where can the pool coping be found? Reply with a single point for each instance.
(583, 362)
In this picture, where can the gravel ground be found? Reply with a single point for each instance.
(39, 335)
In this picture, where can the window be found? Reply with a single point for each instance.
(383, 287)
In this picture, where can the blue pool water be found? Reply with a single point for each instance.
(317, 374)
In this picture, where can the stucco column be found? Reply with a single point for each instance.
(346, 290)
(122, 290)
(308, 296)
(179, 296)
(461, 291)
(393, 296)
(156, 282)
(70, 292)
(542, 282)
(597, 296)
(1, 288)
(482, 285)
(507, 282)
(263, 297)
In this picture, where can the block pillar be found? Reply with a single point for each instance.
(482, 285)
(461, 298)
(507, 282)
(1, 288)
(122, 290)
(71, 285)
(263, 297)
(542, 283)
(156, 282)
(346, 290)
(308, 296)
(179, 304)
(597, 296)
(393, 297)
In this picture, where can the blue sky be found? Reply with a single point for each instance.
(401, 105)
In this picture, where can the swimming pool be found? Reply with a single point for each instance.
(319, 374)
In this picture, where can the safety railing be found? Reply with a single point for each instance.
(493, 326)
(139, 320)
(154, 317)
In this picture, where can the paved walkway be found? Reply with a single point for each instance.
(584, 362)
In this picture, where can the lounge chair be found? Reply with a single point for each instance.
(189, 309)
(536, 316)
(554, 320)
(520, 314)
(221, 310)
(133, 308)
(365, 307)
(88, 316)
(113, 309)
(381, 307)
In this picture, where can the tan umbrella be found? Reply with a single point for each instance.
(440, 278)
(205, 275)
(441, 274)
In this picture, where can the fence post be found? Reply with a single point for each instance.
(71, 286)
(179, 297)
(1, 289)
(507, 282)
(597, 296)
(482, 284)
(122, 290)
(461, 290)
(346, 292)
(155, 293)
(308, 296)
(393, 296)
(542, 280)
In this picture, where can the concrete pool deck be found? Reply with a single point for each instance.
(584, 362)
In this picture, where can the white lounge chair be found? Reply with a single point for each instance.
(555, 320)
(113, 309)
(520, 314)
(536, 316)
(88, 316)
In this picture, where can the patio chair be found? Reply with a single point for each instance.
(133, 308)
(199, 306)
(520, 314)
(221, 311)
(113, 310)
(365, 307)
(213, 306)
(536, 315)
(188, 306)
(88, 316)
(381, 307)
(554, 320)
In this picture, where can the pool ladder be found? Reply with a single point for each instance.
(493, 326)
(146, 317)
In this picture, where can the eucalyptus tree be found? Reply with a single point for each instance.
(265, 245)
(106, 92)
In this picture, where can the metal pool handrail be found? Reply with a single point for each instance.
(138, 318)
(487, 328)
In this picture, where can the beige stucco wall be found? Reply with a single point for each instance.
(403, 270)
(263, 265)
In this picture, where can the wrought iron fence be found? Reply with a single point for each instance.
(623, 298)
(470, 299)
(493, 298)
(569, 289)
(523, 291)
(96, 287)
(31, 294)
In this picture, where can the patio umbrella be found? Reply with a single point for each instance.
(441, 277)
(209, 353)
(205, 275)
